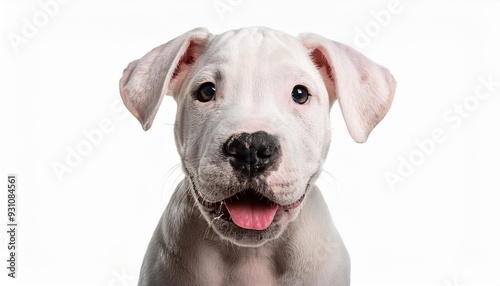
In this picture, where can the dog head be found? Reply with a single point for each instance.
(253, 126)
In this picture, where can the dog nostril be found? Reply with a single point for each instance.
(252, 153)
(264, 152)
(231, 150)
(238, 145)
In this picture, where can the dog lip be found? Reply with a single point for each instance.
(294, 205)
(210, 206)
(213, 205)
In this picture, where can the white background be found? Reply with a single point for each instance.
(439, 225)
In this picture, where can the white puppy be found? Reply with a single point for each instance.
(252, 131)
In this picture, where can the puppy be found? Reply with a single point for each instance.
(252, 131)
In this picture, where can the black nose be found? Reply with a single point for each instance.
(253, 153)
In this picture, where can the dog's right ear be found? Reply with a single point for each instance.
(161, 71)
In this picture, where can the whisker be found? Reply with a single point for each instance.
(332, 178)
(192, 160)
(207, 232)
(168, 175)
(327, 181)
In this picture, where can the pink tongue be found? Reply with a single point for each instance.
(251, 213)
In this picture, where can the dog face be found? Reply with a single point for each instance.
(252, 131)
(252, 126)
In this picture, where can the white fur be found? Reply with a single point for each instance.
(254, 71)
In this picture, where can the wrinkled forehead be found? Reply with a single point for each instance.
(259, 50)
(260, 56)
(256, 41)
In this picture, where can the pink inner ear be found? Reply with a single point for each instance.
(192, 52)
(321, 62)
(326, 71)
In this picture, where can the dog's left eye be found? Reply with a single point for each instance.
(300, 94)
(205, 92)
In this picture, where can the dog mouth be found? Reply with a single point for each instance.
(247, 209)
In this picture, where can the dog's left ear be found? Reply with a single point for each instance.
(363, 88)
(160, 72)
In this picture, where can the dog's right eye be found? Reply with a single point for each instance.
(205, 92)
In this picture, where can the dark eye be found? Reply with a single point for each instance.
(300, 94)
(206, 92)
